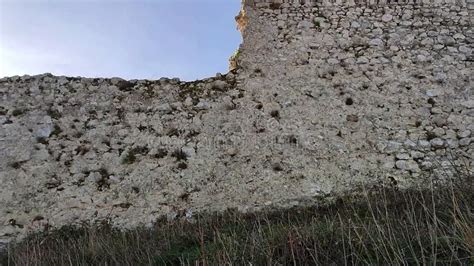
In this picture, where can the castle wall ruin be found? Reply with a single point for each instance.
(326, 96)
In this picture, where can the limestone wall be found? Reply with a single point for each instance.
(393, 81)
(319, 3)
(325, 97)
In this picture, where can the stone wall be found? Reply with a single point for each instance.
(325, 97)
(397, 79)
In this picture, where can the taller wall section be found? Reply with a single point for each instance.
(325, 97)
(387, 86)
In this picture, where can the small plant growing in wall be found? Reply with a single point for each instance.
(180, 155)
(129, 157)
(18, 112)
(234, 60)
(317, 23)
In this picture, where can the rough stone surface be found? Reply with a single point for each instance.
(323, 97)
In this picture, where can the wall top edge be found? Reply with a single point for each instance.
(263, 3)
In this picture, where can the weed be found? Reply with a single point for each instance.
(54, 114)
(56, 130)
(18, 112)
(124, 85)
(275, 114)
(180, 155)
(103, 183)
(129, 158)
(161, 153)
(234, 60)
(182, 165)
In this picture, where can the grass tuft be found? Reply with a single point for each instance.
(381, 226)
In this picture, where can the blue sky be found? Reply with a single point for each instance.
(189, 39)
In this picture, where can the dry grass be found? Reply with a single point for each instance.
(380, 227)
(242, 21)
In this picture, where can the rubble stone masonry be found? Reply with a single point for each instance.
(325, 96)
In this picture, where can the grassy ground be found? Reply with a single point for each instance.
(378, 227)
